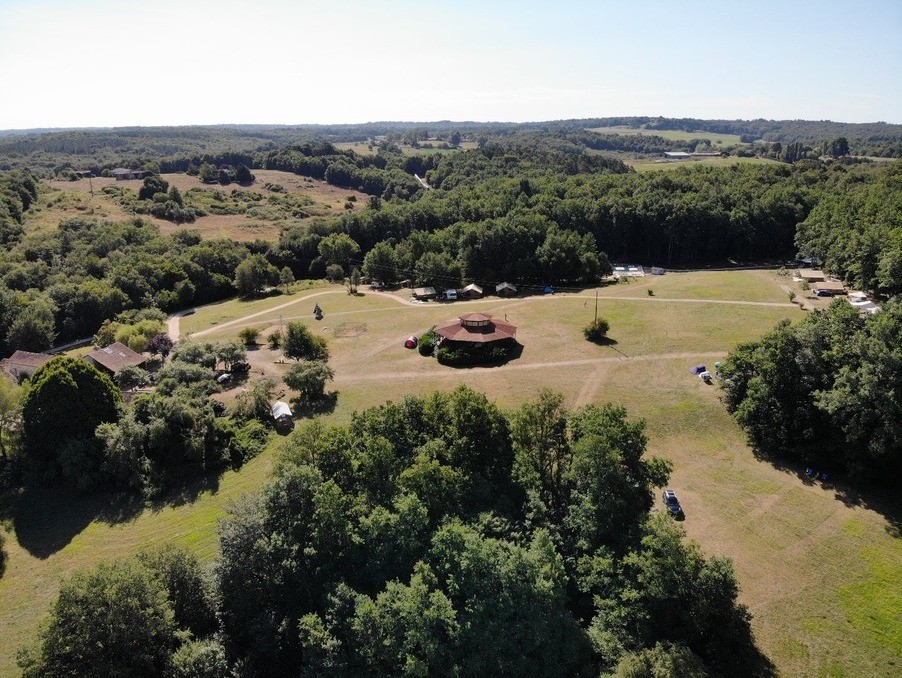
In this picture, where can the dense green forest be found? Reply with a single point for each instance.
(50, 152)
(436, 536)
(825, 393)
(857, 230)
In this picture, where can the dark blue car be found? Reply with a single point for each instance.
(673, 505)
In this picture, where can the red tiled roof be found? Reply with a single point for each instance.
(455, 330)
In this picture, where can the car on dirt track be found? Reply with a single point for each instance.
(673, 505)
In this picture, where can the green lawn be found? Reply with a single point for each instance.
(820, 576)
(212, 315)
(755, 285)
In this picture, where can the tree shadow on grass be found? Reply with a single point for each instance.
(46, 520)
(307, 408)
(865, 495)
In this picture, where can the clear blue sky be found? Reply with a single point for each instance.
(170, 62)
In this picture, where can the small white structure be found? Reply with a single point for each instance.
(628, 271)
(471, 291)
(677, 155)
(450, 295)
(281, 412)
(860, 301)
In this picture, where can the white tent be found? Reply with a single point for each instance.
(281, 411)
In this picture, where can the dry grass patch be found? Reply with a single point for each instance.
(671, 134)
(73, 198)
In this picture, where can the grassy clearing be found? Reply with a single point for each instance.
(211, 315)
(671, 134)
(651, 164)
(57, 534)
(363, 148)
(755, 285)
(648, 164)
(302, 198)
(821, 576)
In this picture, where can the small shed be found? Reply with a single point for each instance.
(424, 293)
(471, 291)
(505, 289)
(114, 357)
(831, 287)
(281, 412)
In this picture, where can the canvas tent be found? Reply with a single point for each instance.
(281, 412)
(471, 291)
(505, 289)
(411, 342)
(424, 293)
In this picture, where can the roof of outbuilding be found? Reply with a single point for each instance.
(116, 356)
(29, 359)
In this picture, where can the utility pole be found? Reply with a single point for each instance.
(596, 305)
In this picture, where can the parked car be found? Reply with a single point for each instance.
(673, 505)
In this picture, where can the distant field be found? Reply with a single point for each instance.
(819, 575)
(73, 198)
(648, 165)
(362, 148)
(671, 134)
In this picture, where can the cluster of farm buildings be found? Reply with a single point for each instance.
(109, 359)
(825, 286)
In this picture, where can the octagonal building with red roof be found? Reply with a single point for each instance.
(475, 330)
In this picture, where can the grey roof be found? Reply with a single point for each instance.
(116, 356)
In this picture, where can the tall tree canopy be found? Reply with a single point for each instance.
(67, 400)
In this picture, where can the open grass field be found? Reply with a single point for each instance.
(819, 571)
(671, 134)
(73, 198)
(652, 164)
(363, 148)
